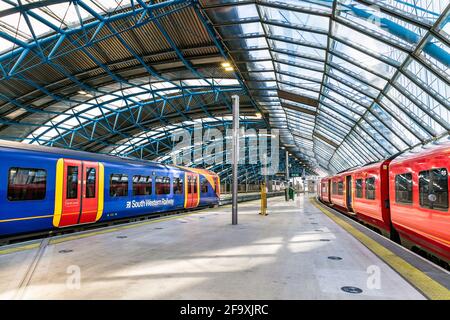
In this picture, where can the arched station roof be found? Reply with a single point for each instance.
(345, 81)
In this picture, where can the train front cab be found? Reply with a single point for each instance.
(419, 201)
(371, 195)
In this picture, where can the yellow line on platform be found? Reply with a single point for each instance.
(20, 248)
(430, 288)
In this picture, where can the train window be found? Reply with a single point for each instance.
(433, 189)
(91, 178)
(370, 188)
(118, 185)
(177, 186)
(72, 182)
(26, 184)
(334, 188)
(204, 186)
(162, 185)
(142, 185)
(359, 188)
(341, 188)
(194, 183)
(403, 188)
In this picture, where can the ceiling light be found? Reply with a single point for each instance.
(229, 69)
(226, 64)
(82, 92)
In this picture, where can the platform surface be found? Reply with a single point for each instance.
(284, 255)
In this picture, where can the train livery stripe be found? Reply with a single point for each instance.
(101, 191)
(430, 288)
(26, 218)
(58, 192)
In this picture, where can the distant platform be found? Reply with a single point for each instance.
(296, 252)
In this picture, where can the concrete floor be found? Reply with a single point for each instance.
(280, 256)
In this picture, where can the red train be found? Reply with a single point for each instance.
(404, 198)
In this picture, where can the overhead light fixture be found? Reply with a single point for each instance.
(229, 69)
(84, 93)
(258, 115)
(226, 64)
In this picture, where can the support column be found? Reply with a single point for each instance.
(287, 167)
(235, 158)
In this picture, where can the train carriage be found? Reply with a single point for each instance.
(44, 188)
(418, 186)
(325, 190)
(371, 195)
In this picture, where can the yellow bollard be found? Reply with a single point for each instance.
(263, 200)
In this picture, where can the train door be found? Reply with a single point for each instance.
(329, 191)
(348, 192)
(192, 192)
(79, 192)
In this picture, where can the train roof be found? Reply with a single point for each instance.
(77, 153)
(423, 151)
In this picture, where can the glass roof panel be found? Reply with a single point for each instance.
(368, 43)
(305, 50)
(295, 18)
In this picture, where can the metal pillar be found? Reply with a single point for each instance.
(235, 158)
(287, 167)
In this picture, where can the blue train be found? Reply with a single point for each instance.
(43, 188)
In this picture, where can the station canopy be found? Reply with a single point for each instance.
(346, 82)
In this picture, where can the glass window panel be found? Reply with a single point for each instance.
(26, 184)
(403, 188)
(426, 101)
(373, 64)
(418, 9)
(303, 92)
(369, 140)
(244, 29)
(351, 93)
(381, 140)
(429, 80)
(437, 54)
(370, 44)
(91, 182)
(394, 124)
(433, 189)
(233, 13)
(352, 81)
(299, 82)
(372, 20)
(407, 112)
(295, 18)
(359, 72)
(118, 185)
(304, 50)
(300, 71)
(248, 44)
(297, 35)
(252, 55)
(297, 61)
(142, 185)
(370, 188)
